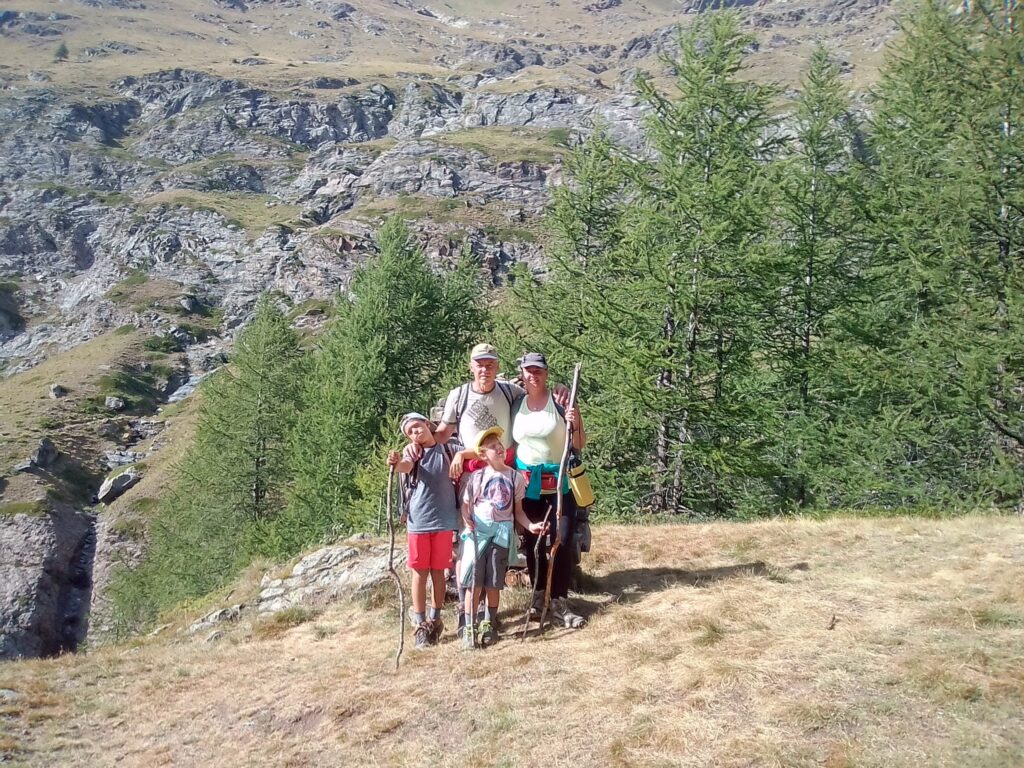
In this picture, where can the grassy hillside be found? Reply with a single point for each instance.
(283, 45)
(851, 642)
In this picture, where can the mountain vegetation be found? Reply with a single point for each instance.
(778, 312)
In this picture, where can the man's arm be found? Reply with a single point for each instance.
(444, 432)
(449, 420)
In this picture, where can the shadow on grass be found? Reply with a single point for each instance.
(642, 581)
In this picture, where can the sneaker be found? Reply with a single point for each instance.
(422, 636)
(436, 629)
(561, 612)
(468, 637)
(488, 634)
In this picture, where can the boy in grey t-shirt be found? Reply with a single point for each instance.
(432, 510)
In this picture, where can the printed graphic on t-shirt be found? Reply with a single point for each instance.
(481, 416)
(498, 491)
(493, 494)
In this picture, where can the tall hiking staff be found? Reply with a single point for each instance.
(555, 543)
(391, 568)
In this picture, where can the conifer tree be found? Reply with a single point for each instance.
(660, 279)
(230, 487)
(385, 352)
(819, 263)
(988, 157)
(940, 335)
(693, 263)
(563, 312)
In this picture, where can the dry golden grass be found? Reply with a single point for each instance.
(696, 655)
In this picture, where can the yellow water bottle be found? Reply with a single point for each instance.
(580, 483)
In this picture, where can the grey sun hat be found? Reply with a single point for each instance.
(533, 360)
(413, 416)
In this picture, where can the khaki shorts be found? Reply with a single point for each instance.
(489, 569)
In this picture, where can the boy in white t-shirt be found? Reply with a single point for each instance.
(492, 499)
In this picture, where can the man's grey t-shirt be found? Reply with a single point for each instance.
(482, 411)
(432, 503)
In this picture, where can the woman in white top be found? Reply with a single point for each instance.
(538, 429)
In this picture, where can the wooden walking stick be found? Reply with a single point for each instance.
(393, 572)
(558, 516)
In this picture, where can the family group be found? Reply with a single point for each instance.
(490, 469)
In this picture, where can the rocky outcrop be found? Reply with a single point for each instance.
(327, 574)
(45, 581)
(341, 571)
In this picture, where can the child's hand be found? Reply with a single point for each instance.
(393, 458)
(403, 519)
(455, 471)
(538, 529)
(413, 452)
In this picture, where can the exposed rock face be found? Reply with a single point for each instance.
(81, 212)
(45, 453)
(45, 582)
(340, 571)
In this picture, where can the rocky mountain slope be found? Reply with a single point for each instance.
(163, 163)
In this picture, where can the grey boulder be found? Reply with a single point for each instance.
(117, 484)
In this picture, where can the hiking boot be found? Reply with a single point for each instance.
(436, 628)
(536, 606)
(451, 589)
(422, 636)
(562, 613)
(461, 629)
(488, 633)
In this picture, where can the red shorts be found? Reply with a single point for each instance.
(430, 551)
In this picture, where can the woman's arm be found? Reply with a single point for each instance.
(579, 434)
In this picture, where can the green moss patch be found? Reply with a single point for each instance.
(30, 508)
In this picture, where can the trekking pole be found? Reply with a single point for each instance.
(471, 619)
(555, 544)
(393, 572)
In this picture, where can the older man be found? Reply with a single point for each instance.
(483, 403)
